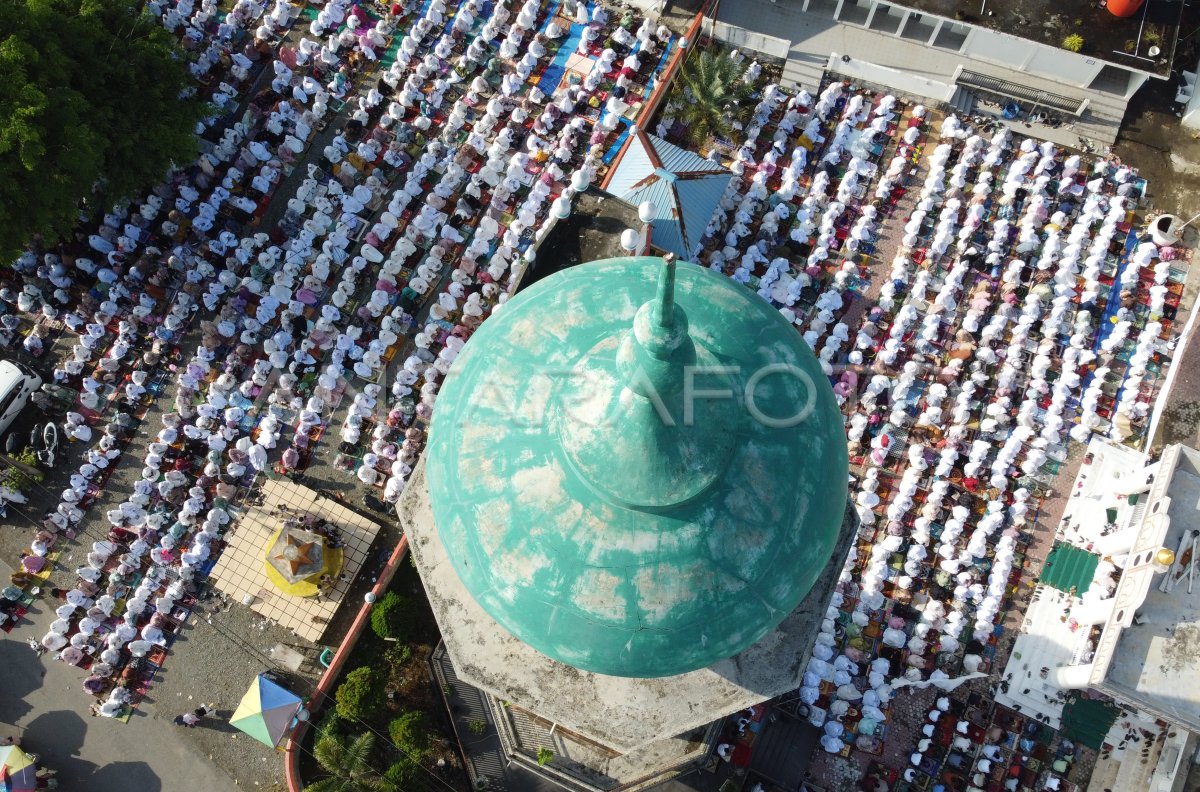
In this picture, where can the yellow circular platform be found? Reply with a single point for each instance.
(310, 585)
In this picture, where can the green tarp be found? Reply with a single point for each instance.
(1087, 720)
(1069, 567)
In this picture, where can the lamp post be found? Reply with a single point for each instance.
(646, 215)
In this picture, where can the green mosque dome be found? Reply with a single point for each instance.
(637, 467)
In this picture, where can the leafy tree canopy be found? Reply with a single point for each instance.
(410, 733)
(89, 90)
(393, 616)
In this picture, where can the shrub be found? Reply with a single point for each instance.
(330, 725)
(477, 726)
(398, 655)
(1073, 42)
(403, 774)
(12, 478)
(360, 695)
(18, 479)
(410, 733)
(545, 756)
(392, 616)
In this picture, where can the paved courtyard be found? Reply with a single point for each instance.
(43, 704)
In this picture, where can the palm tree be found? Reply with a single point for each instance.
(348, 766)
(711, 94)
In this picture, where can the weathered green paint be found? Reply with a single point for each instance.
(602, 534)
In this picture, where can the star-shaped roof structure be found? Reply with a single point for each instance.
(297, 554)
(684, 188)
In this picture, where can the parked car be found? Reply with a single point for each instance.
(17, 383)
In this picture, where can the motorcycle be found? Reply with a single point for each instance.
(36, 438)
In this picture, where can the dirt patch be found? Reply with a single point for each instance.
(1153, 140)
(1180, 422)
(1183, 648)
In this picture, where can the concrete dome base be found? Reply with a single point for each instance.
(620, 713)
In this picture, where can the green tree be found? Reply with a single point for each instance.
(360, 695)
(393, 616)
(348, 765)
(90, 94)
(410, 733)
(712, 96)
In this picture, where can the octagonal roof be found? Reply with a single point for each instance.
(637, 481)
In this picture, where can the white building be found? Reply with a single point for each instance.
(968, 54)
(1148, 653)
(1133, 632)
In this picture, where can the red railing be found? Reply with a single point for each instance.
(291, 760)
(650, 107)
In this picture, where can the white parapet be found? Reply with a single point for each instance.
(1074, 677)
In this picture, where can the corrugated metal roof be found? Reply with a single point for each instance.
(699, 198)
(684, 187)
(633, 166)
(678, 160)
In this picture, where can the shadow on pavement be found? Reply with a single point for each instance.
(23, 674)
(121, 776)
(218, 720)
(58, 735)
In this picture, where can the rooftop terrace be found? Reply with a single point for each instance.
(1127, 42)
(1158, 659)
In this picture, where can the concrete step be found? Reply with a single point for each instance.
(803, 69)
(963, 101)
(531, 734)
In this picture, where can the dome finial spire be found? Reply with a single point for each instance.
(664, 301)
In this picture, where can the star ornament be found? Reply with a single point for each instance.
(296, 554)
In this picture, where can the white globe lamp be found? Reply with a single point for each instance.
(629, 240)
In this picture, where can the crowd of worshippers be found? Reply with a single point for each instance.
(331, 533)
(261, 332)
(1016, 310)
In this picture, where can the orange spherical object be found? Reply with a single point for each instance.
(1124, 8)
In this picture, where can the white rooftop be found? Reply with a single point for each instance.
(1156, 663)
(1094, 492)
(1140, 754)
(1046, 640)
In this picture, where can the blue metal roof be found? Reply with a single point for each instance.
(684, 187)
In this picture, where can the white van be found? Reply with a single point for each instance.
(17, 383)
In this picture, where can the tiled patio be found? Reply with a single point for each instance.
(241, 568)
